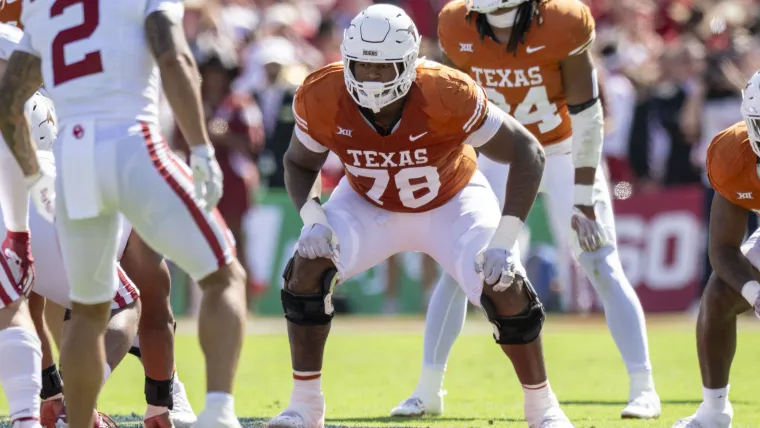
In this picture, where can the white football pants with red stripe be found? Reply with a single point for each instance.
(133, 172)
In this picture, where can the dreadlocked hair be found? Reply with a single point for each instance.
(523, 20)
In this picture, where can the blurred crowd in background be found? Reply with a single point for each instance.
(672, 73)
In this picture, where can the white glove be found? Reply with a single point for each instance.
(207, 175)
(317, 239)
(591, 237)
(497, 267)
(42, 192)
(496, 264)
(751, 292)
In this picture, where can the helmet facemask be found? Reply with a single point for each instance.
(376, 95)
(753, 131)
(382, 34)
(750, 109)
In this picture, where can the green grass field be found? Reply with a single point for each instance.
(372, 363)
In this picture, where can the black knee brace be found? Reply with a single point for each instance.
(309, 309)
(519, 329)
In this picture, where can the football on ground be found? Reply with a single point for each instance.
(372, 363)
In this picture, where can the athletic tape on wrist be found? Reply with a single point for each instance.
(583, 194)
(506, 234)
(750, 291)
(312, 213)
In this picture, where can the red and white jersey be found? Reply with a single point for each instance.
(96, 62)
(50, 276)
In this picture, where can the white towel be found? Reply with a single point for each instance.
(79, 178)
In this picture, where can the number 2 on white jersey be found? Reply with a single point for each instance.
(403, 181)
(92, 62)
(535, 108)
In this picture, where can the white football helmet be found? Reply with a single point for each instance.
(382, 33)
(751, 111)
(488, 6)
(39, 111)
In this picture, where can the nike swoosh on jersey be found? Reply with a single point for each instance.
(416, 137)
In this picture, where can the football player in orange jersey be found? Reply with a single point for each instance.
(733, 167)
(404, 130)
(531, 57)
(10, 13)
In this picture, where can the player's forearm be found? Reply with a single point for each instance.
(301, 183)
(731, 266)
(21, 79)
(179, 77)
(179, 74)
(524, 179)
(16, 132)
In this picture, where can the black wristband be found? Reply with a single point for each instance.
(52, 384)
(159, 392)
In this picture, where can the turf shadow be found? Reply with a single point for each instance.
(623, 403)
(386, 420)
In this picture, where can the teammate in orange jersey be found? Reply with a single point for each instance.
(531, 57)
(404, 130)
(733, 167)
(10, 13)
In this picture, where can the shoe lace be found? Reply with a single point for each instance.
(107, 421)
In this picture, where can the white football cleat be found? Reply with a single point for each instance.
(292, 419)
(706, 418)
(645, 406)
(306, 410)
(220, 417)
(182, 414)
(287, 419)
(415, 407)
(552, 417)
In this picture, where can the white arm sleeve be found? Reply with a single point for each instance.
(10, 37)
(588, 136)
(174, 8)
(25, 45)
(14, 195)
(488, 129)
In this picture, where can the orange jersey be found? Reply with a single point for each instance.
(10, 12)
(423, 163)
(527, 86)
(732, 167)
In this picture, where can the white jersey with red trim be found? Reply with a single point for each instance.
(50, 276)
(96, 62)
(112, 160)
